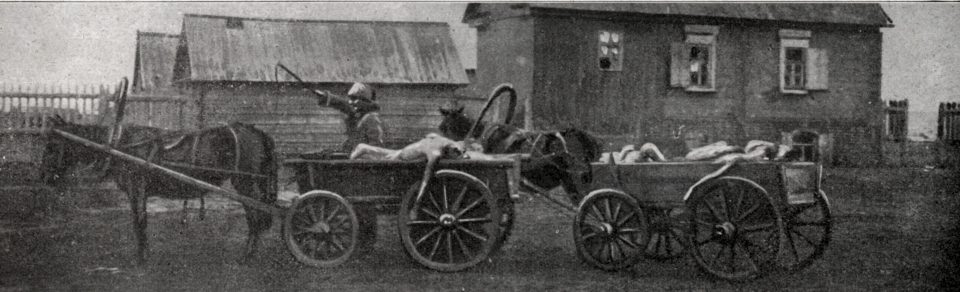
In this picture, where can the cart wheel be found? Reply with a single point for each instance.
(321, 229)
(735, 228)
(808, 222)
(454, 226)
(666, 240)
(609, 229)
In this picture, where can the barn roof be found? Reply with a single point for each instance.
(835, 13)
(153, 63)
(220, 48)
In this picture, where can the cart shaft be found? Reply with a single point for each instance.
(275, 210)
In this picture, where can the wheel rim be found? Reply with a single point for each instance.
(454, 226)
(666, 239)
(321, 229)
(735, 229)
(608, 230)
(807, 231)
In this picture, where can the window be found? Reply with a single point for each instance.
(610, 50)
(801, 68)
(793, 74)
(693, 62)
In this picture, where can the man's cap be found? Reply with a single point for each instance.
(360, 90)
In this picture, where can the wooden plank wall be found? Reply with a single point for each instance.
(298, 124)
(170, 112)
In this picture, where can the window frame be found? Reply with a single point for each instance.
(702, 36)
(789, 40)
(614, 49)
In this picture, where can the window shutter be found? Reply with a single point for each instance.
(817, 69)
(679, 69)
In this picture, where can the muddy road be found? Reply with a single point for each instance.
(895, 229)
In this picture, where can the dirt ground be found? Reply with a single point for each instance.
(895, 229)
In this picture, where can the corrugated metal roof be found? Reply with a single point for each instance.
(320, 51)
(840, 13)
(153, 68)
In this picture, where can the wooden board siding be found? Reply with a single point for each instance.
(298, 124)
(505, 55)
(637, 104)
(854, 91)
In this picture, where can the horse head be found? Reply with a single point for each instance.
(455, 123)
(60, 154)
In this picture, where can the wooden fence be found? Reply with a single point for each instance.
(25, 109)
(948, 122)
(896, 121)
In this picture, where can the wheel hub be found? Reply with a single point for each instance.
(321, 227)
(725, 230)
(606, 228)
(447, 220)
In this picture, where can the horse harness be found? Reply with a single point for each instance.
(167, 142)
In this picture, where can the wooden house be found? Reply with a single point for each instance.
(155, 100)
(228, 66)
(638, 72)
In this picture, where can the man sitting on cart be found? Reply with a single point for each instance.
(362, 119)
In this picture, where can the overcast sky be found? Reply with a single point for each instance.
(93, 43)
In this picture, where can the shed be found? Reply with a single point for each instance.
(639, 72)
(229, 66)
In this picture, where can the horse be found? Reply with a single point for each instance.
(558, 158)
(238, 152)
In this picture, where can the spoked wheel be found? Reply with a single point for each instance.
(321, 229)
(609, 230)
(666, 240)
(735, 228)
(454, 226)
(808, 220)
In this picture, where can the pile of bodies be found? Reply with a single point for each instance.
(719, 152)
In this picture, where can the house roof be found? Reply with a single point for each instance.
(220, 48)
(153, 64)
(836, 13)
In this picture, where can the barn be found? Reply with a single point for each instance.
(227, 66)
(155, 100)
(639, 72)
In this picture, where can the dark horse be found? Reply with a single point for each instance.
(238, 152)
(559, 158)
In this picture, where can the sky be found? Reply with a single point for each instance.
(93, 43)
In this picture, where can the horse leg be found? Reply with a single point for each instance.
(257, 221)
(136, 194)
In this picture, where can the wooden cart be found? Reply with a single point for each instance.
(464, 215)
(737, 220)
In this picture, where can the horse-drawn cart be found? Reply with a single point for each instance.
(451, 217)
(738, 220)
(462, 218)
